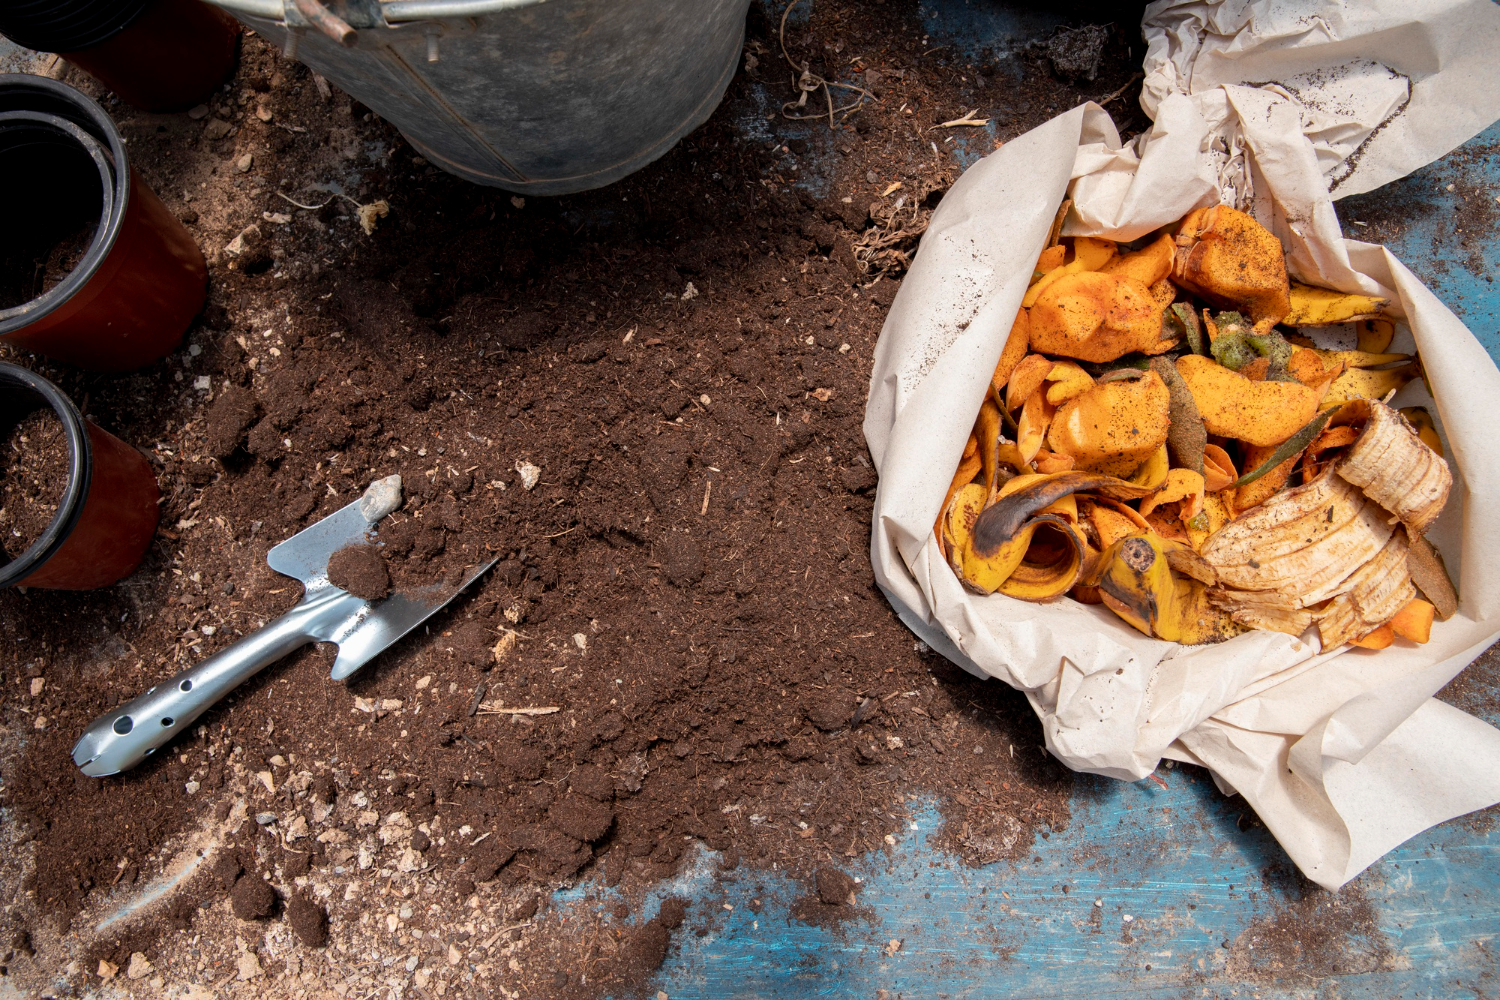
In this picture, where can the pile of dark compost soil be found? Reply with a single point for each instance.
(644, 401)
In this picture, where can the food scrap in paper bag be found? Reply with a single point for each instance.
(1343, 753)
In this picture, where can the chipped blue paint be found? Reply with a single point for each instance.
(1431, 244)
(1162, 888)
(983, 29)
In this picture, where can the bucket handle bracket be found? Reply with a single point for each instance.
(338, 24)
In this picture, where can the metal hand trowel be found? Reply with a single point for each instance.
(119, 740)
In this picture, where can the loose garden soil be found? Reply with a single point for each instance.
(30, 272)
(683, 601)
(33, 474)
(361, 570)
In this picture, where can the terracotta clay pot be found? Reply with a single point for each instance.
(108, 510)
(129, 299)
(159, 55)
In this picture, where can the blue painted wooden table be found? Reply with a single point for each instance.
(1158, 889)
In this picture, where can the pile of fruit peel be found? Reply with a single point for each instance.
(1162, 436)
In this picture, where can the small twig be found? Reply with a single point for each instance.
(497, 709)
(966, 119)
(860, 713)
(478, 696)
(314, 208)
(1122, 90)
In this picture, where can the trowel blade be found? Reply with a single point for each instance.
(378, 625)
(362, 629)
(305, 555)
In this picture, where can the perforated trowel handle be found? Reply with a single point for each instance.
(119, 740)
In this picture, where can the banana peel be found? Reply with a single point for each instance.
(1137, 583)
(1152, 473)
(1026, 545)
(1421, 421)
(1396, 469)
(1012, 354)
(1375, 335)
(969, 466)
(1358, 359)
(1310, 306)
(958, 519)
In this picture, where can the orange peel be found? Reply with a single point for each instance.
(1227, 258)
(1096, 317)
(1258, 413)
(1114, 426)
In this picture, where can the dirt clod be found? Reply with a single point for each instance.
(252, 897)
(360, 570)
(308, 920)
(1076, 53)
(830, 710)
(672, 913)
(581, 818)
(228, 418)
(835, 888)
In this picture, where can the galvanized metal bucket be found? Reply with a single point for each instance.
(535, 97)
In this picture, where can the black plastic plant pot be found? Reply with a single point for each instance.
(159, 55)
(67, 25)
(94, 270)
(107, 509)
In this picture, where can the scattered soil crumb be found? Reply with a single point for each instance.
(252, 897)
(1313, 931)
(360, 570)
(308, 920)
(830, 902)
(834, 887)
(33, 472)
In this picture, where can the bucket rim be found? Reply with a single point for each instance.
(392, 11)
